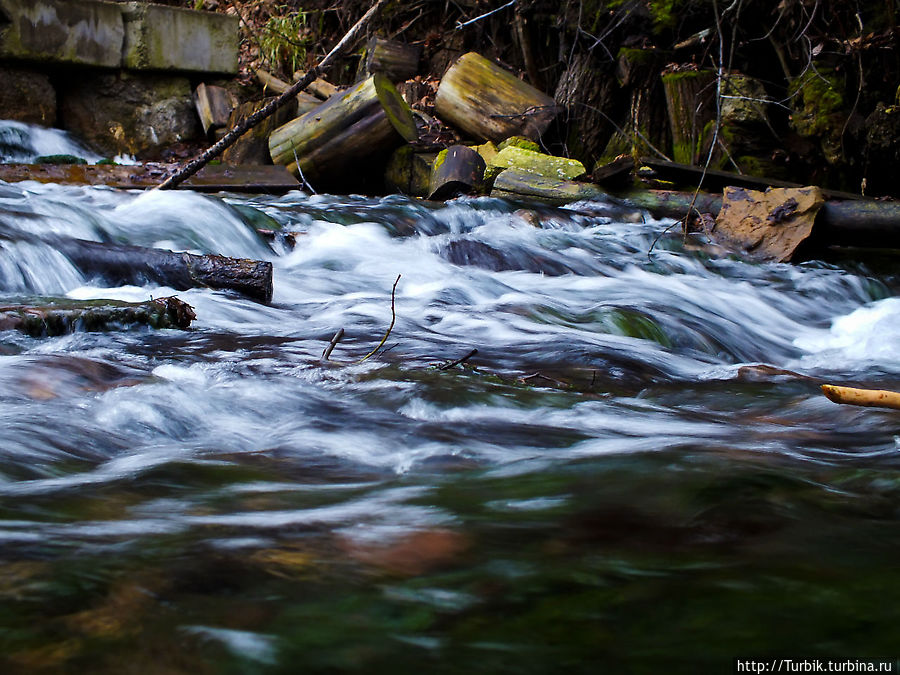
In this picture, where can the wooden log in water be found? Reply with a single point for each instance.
(365, 121)
(60, 317)
(456, 170)
(397, 60)
(124, 264)
(490, 103)
(516, 184)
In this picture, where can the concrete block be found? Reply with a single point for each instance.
(84, 32)
(168, 38)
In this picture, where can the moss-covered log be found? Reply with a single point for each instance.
(516, 184)
(60, 317)
(396, 60)
(490, 103)
(456, 170)
(123, 264)
(367, 120)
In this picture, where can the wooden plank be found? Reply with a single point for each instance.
(211, 178)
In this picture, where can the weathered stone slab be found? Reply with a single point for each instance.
(27, 96)
(85, 32)
(168, 38)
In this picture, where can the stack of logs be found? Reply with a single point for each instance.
(368, 128)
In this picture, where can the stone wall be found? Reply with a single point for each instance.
(118, 75)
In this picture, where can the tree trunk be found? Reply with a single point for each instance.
(645, 126)
(60, 317)
(123, 264)
(457, 170)
(515, 184)
(398, 61)
(691, 101)
(367, 120)
(490, 103)
(589, 95)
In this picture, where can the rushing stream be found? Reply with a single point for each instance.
(636, 469)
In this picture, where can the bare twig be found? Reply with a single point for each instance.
(390, 328)
(448, 366)
(485, 15)
(331, 345)
(249, 122)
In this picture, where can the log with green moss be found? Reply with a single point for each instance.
(397, 60)
(61, 316)
(522, 185)
(123, 264)
(367, 120)
(490, 103)
(458, 170)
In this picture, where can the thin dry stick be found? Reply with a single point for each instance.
(331, 345)
(248, 123)
(390, 328)
(448, 366)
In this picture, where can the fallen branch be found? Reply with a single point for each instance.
(60, 317)
(247, 123)
(452, 364)
(120, 263)
(871, 398)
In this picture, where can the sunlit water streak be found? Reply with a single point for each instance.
(591, 353)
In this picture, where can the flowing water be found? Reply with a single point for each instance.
(636, 469)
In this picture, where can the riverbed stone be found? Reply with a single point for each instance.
(169, 38)
(138, 114)
(27, 96)
(86, 33)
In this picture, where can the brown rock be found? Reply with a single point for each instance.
(770, 225)
(27, 96)
(135, 114)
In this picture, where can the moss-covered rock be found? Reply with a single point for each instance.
(519, 142)
(560, 168)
